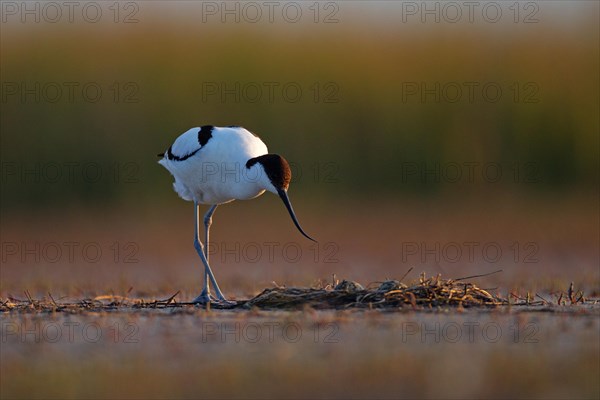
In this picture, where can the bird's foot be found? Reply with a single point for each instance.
(206, 298)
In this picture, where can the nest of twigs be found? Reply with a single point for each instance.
(431, 292)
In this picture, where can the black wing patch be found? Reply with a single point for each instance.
(173, 157)
(205, 134)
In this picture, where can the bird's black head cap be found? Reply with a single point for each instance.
(277, 169)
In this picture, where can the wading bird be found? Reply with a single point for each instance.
(213, 166)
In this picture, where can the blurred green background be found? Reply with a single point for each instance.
(360, 124)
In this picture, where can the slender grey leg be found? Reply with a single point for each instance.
(204, 296)
(207, 224)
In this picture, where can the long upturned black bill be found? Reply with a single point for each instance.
(286, 201)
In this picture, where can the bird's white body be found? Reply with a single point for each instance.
(216, 172)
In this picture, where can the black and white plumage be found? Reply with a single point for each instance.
(216, 165)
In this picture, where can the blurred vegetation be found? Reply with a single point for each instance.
(355, 127)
